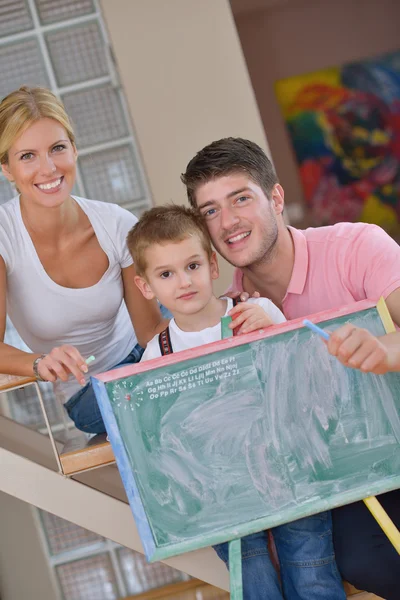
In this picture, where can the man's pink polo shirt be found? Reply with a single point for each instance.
(338, 265)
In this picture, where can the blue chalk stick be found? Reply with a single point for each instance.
(316, 329)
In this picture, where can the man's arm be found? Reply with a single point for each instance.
(373, 264)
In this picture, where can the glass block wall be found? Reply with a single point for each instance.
(63, 45)
(89, 567)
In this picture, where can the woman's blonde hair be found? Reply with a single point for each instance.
(23, 107)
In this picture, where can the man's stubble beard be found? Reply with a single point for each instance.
(268, 247)
(268, 250)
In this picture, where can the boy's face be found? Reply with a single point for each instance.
(179, 275)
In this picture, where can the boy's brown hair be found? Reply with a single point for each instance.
(225, 157)
(163, 224)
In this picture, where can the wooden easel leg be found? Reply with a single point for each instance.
(235, 569)
(384, 521)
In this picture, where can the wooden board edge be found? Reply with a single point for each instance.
(385, 316)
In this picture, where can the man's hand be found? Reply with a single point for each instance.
(243, 296)
(248, 317)
(359, 349)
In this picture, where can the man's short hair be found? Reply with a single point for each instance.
(225, 157)
(163, 224)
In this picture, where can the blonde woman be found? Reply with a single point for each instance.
(66, 275)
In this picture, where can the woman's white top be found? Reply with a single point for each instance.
(94, 319)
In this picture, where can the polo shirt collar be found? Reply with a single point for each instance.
(300, 267)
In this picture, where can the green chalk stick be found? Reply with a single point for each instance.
(90, 360)
(225, 330)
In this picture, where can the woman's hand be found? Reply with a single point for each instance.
(60, 363)
(249, 317)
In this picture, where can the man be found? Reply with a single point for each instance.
(234, 186)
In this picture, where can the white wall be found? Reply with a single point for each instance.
(24, 571)
(186, 83)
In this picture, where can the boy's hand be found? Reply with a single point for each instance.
(248, 317)
(359, 349)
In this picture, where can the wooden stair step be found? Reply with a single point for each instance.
(193, 589)
(364, 596)
(80, 454)
(355, 594)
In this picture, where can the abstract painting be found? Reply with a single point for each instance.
(344, 124)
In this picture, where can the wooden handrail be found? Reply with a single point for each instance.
(78, 454)
(9, 382)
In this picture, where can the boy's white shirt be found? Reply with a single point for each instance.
(184, 340)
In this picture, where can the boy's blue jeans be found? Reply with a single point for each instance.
(82, 407)
(308, 569)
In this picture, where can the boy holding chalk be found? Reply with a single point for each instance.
(233, 184)
(175, 263)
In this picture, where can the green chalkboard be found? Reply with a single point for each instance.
(224, 444)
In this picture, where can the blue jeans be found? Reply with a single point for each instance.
(308, 568)
(82, 407)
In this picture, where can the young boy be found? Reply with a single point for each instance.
(175, 263)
